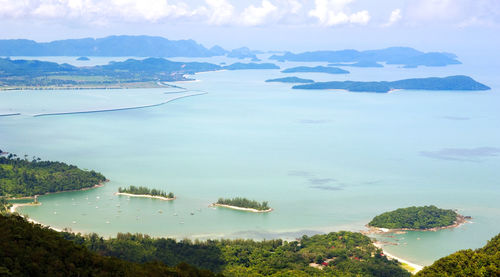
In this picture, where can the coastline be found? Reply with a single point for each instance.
(146, 196)
(48, 193)
(241, 208)
(412, 267)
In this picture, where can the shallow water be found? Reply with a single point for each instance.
(325, 160)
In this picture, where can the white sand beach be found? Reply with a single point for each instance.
(241, 209)
(145, 195)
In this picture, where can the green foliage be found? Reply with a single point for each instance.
(31, 250)
(145, 191)
(350, 254)
(458, 82)
(425, 217)
(22, 177)
(244, 203)
(4, 206)
(481, 262)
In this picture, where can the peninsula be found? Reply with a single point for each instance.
(27, 178)
(458, 82)
(425, 218)
(317, 69)
(293, 79)
(243, 204)
(145, 192)
(132, 73)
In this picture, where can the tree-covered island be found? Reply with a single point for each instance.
(145, 192)
(418, 218)
(28, 177)
(459, 82)
(243, 204)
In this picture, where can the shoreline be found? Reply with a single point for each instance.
(48, 193)
(414, 268)
(146, 196)
(241, 208)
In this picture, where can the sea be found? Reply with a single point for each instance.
(325, 160)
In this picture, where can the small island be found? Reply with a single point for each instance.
(145, 192)
(459, 82)
(83, 59)
(317, 69)
(293, 79)
(425, 218)
(243, 204)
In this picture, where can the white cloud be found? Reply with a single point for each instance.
(454, 12)
(253, 16)
(336, 12)
(394, 17)
(219, 12)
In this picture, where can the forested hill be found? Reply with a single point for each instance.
(465, 263)
(459, 82)
(23, 177)
(112, 46)
(425, 217)
(337, 254)
(31, 250)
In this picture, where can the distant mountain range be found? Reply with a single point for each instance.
(406, 56)
(112, 46)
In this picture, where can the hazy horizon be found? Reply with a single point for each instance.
(427, 25)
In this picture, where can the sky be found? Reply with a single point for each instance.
(264, 24)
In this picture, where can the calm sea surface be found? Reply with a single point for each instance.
(325, 160)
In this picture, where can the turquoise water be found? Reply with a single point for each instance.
(325, 160)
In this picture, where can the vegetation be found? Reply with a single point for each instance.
(39, 74)
(321, 69)
(464, 263)
(32, 250)
(344, 254)
(145, 191)
(447, 83)
(291, 80)
(23, 177)
(425, 217)
(4, 205)
(244, 203)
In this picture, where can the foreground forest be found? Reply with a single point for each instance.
(32, 250)
(24, 177)
(464, 263)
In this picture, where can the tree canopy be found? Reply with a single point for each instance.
(464, 263)
(244, 203)
(32, 250)
(23, 177)
(425, 217)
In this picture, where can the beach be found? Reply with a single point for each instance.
(145, 195)
(412, 267)
(241, 208)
